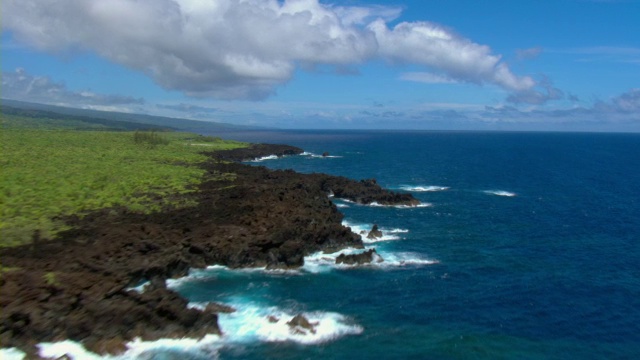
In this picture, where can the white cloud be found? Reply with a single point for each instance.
(544, 92)
(20, 85)
(425, 77)
(433, 46)
(245, 49)
(530, 53)
(628, 102)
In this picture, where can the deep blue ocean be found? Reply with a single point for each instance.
(527, 247)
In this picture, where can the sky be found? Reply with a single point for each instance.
(529, 65)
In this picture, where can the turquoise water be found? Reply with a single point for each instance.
(529, 249)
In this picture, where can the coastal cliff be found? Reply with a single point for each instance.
(78, 286)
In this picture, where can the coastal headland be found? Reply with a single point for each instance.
(78, 286)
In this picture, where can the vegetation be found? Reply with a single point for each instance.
(50, 278)
(149, 138)
(48, 173)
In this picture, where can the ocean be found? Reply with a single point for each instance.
(527, 246)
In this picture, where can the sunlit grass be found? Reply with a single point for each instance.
(47, 173)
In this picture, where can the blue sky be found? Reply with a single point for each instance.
(570, 65)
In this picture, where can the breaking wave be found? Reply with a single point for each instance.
(270, 157)
(12, 354)
(251, 323)
(321, 262)
(421, 205)
(499, 193)
(428, 188)
(205, 348)
(312, 155)
(363, 231)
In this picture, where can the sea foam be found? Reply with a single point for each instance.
(11, 354)
(499, 193)
(425, 188)
(312, 155)
(421, 205)
(204, 348)
(251, 323)
(363, 230)
(260, 159)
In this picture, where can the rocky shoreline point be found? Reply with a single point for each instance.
(78, 286)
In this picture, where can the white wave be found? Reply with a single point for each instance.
(342, 205)
(364, 229)
(12, 354)
(396, 231)
(401, 259)
(250, 323)
(140, 288)
(70, 348)
(212, 271)
(428, 188)
(421, 205)
(500, 193)
(320, 262)
(384, 237)
(206, 347)
(312, 155)
(269, 157)
(194, 276)
(377, 204)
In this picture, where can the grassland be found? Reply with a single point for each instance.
(51, 172)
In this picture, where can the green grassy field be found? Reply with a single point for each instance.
(46, 173)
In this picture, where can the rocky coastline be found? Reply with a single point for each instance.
(78, 286)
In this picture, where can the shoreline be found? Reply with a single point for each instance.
(77, 287)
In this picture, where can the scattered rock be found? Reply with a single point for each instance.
(257, 151)
(366, 257)
(375, 233)
(301, 325)
(220, 308)
(272, 319)
(325, 154)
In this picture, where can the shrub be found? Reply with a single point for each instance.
(150, 138)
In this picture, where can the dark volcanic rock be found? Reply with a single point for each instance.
(365, 191)
(257, 151)
(301, 325)
(375, 233)
(366, 257)
(75, 287)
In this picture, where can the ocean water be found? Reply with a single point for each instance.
(527, 247)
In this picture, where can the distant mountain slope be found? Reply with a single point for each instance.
(41, 119)
(116, 120)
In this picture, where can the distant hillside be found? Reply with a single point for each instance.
(13, 117)
(114, 120)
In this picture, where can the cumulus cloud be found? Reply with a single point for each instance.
(20, 85)
(245, 49)
(436, 47)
